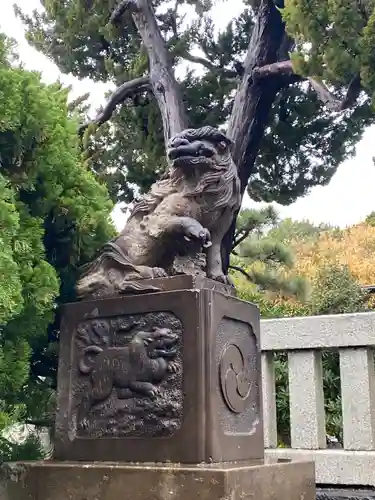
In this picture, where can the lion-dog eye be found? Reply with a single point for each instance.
(222, 146)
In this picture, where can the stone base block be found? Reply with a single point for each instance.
(172, 376)
(107, 481)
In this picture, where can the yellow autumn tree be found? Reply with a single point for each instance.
(334, 263)
(353, 247)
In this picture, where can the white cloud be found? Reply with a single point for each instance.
(346, 200)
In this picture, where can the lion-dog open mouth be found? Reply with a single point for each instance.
(183, 152)
(165, 345)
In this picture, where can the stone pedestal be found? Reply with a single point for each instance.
(172, 376)
(160, 399)
(93, 481)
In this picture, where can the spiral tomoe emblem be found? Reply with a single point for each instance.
(235, 379)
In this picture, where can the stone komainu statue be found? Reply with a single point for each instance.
(189, 210)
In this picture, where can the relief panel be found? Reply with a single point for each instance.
(127, 376)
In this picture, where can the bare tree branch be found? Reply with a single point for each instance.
(126, 90)
(279, 68)
(330, 100)
(162, 79)
(285, 68)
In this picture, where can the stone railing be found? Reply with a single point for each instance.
(353, 336)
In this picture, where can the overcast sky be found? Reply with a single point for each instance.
(348, 198)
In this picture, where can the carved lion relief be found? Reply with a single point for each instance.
(128, 376)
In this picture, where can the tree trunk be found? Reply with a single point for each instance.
(162, 79)
(254, 100)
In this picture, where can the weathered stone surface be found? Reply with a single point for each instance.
(178, 226)
(169, 376)
(129, 378)
(357, 378)
(103, 481)
(307, 416)
(344, 494)
(188, 282)
(318, 332)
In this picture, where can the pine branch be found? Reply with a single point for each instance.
(255, 220)
(285, 68)
(239, 239)
(186, 54)
(120, 10)
(203, 61)
(126, 90)
(362, 11)
(199, 60)
(77, 102)
(242, 271)
(230, 76)
(40, 423)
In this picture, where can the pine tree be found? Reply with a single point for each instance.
(264, 261)
(289, 139)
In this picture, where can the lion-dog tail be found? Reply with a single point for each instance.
(85, 363)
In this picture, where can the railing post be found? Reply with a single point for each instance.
(307, 416)
(358, 398)
(269, 400)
